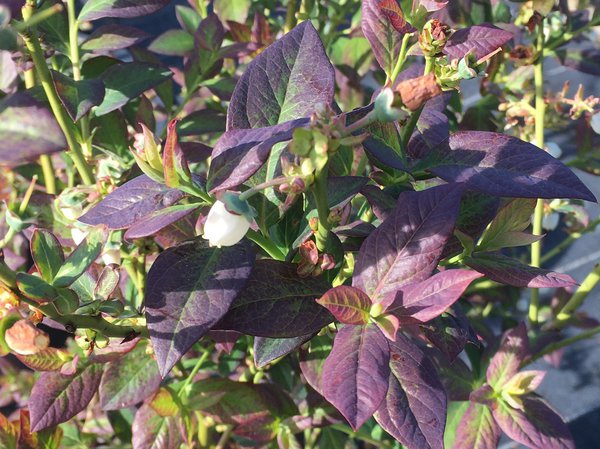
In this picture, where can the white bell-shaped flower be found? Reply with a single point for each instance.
(224, 228)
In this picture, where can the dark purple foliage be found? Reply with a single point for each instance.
(285, 82)
(268, 349)
(78, 97)
(407, 246)
(130, 202)
(157, 220)
(355, 374)
(119, 8)
(183, 304)
(433, 129)
(480, 39)
(414, 408)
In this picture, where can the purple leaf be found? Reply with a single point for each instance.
(407, 246)
(450, 333)
(277, 303)
(433, 5)
(189, 288)
(414, 408)
(268, 349)
(537, 427)
(113, 37)
(150, 430)
(502, 165)
(423, 301)
(77, 97)
(224, 340)
(119, 8)
(29, 127)
(355, 375)
(477, 429)
(130, 202)
(384, 26)
(288, 80)
(155, 221)
(56, 398)
(480, 39)
(347, 304)
(382, 203)
(129, 380)
(433, 129)
(506, 270)
(506, 362)
(240, 153)
(312, 360)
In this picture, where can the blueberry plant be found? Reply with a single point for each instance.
(277, 225)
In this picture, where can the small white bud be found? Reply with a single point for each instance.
(223, 228)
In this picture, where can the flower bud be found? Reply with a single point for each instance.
(387, 106)
(433, 38)
(224, 228)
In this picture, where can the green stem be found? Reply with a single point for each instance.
(401, 58)
(267, 245)
(33, 46)
(320, 195)
(222, 444)
(360, 123)
(290, 15)
(562, 344)
(260, 187)
(588, 284)
(99, 324)
(38, 17)
(48, 171)
(190, 378)
(540, 115)
(414, 117)
(73, 42)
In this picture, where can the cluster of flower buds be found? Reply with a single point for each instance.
(450, 73)
(311, 262)
(433, 38)
(579, 103)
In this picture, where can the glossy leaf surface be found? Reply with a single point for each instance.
(347, 304)
(480, 39)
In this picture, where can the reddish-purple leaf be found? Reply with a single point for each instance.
(384, 26)
(268, 349)
(130, 202)
(480, 39)
(28, 130)
(56, 398)
(506, 270)
(433, 129)
(433, 5)
(407, 246)
(287, 81)
(48, 359)
(348, 305)
(129, 380)
(119, 8)
(414, 408)
(189, 288)
(152, 431)
(240, 153)
(112, 37)
(477, 429)
(155, 221)
(450, 333)
(355, 375)
(382, 203)
(423, 301)
(502, 165)
(312, 360)
(537, 426)
(277, 303)
(224, 340)
(506, 362)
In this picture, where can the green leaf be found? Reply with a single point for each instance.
(124, 82)
(36, 288)
(513, 218)
(97, 9)
(110, 134)
(188, 18)
(235, 10)
(47, 253)
(81, 258)
(173, 43)
(66, 301)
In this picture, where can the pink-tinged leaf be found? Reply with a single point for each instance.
(312, 360)
(537, 427)
(190, 288)
(407, 246)
(287, 81)
(477, 429)
(506, 270)
(114, 351)
(268, 349)
(224, 340)
(483, 395)
(414, 409)
(388, 325)
(423, 301)
(347, 304)
(384, 26)
(502, 165)
(277, 303)
(240, 153)
(28, 130)
(152, 431)
(119, 8)
(129, 380)
(480, 39)
(433, 5)
(514, 347)
(355, 375)
(155, 221)
(169, 157)
(113, 37)
(56, 398)
(48, 359)
(130, 202)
